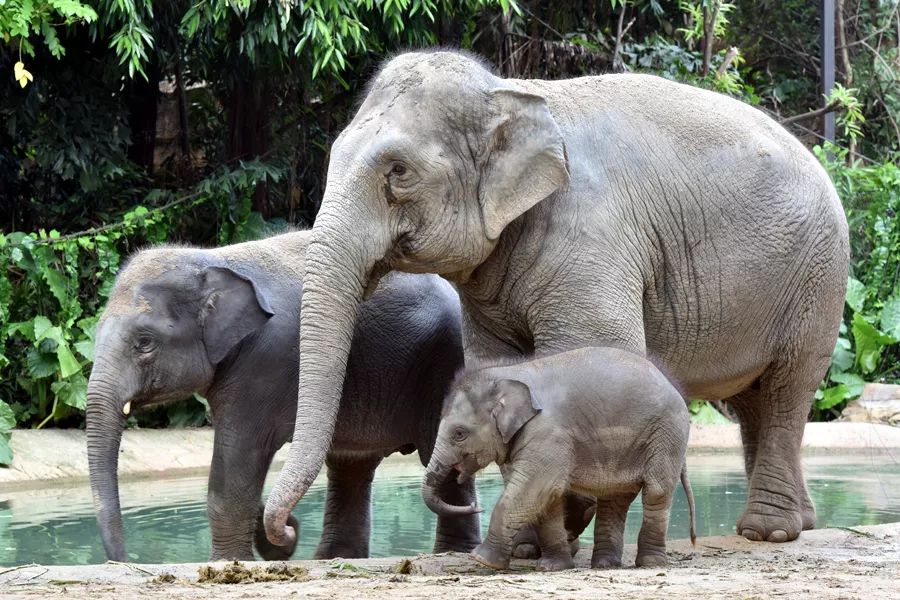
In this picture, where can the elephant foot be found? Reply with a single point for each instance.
(490, 557)
(441, 546)
(269, 551)
(555, 561)
(651, 560)
(807, 513)
(760, 525)
(606, 561)
(526, 550)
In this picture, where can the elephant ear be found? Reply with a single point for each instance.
(232, 309)
(515, 406)
(526, 159)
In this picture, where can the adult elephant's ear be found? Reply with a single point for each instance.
(514, 406)
(233, 308)
(526, 158)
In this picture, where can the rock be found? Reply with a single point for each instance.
(878, 403)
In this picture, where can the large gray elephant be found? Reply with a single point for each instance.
(223, 323)
(620, 210)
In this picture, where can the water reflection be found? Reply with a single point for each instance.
(165, 521)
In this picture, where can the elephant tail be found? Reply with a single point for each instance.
(686, 483)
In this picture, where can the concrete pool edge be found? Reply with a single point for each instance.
(58, 456)
(824, 549)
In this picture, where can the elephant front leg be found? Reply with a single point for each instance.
(459, 533)
(347, 521)
(236, 479)
(523, 503)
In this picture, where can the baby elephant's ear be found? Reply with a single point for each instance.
(515, 406)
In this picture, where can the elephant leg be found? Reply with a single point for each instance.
(556, 554)
(651, 545)
(347, 522)
(460, 533)
(778, 504)
(236, 479)
(747, 406)
(609, 530)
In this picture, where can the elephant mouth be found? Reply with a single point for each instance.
(467, 467)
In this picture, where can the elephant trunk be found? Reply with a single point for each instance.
(105, 423)
(437, 473)
(347, 242)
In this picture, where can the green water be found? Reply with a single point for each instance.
(165, 520)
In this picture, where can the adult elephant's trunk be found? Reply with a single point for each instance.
(348, 239)
(105, 422)
(438, 471)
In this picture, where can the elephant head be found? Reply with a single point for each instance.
(440, 158)
(167, 325)
(483, 417)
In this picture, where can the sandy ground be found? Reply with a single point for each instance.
(861, 562)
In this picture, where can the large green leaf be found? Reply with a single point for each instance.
(71, 392)
(890, 317)
(853, 383)
(856, 294)
(842, 358)
(7, 417)
(869, 343)
(833, 396)
(6, 456)
(41, 364)
(68, 364)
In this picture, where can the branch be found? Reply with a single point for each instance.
(830, 107)
(618, 65)
(726, 62)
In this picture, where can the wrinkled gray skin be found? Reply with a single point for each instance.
(223, 323)
(621, 210)
(600, 421)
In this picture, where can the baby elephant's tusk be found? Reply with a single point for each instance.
(127, 408)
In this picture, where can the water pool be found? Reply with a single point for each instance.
(165, 521)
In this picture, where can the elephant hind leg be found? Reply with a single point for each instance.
(458, 533)
(778, 504)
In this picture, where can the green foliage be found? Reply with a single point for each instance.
(869, 349)
(703, 413)
(7, 422)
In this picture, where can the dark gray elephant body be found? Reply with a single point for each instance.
(223, 323)
(622, 210)
(601, 421)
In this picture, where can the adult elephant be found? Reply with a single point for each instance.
(625, 210)
(223, 323)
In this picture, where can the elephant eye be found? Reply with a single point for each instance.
(460, 434)
(398, 169)
(145, 344)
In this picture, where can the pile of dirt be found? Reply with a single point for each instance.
(238, 573)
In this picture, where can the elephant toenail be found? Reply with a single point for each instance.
(778, 536)
(751, 535)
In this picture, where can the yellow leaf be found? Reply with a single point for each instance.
(21, 75)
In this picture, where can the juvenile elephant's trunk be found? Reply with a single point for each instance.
(347, 241)
(105, 422)
(436, 475)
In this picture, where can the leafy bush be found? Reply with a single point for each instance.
(868, 348)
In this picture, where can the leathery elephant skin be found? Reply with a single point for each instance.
(602, 421)
(619, 210)
(223, 323)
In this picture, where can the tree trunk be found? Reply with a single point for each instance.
(249, 125)
(143, 96)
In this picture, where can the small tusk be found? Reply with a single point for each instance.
(127, 408)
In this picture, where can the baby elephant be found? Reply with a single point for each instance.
(598, 421)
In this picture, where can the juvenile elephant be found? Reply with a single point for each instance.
(600, 421)
(620, 210)
(223, 323)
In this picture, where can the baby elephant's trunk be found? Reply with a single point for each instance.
(435, 476)
(690, 498)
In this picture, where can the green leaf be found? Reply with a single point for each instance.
(68, 364)
(71, 392)
(7, 417)
(843, 357)
(890, 317)
(832, 397)
(41, 325)
(41, 364)
(853, 383)
(856, 294)
(703, 413)
(6, 456)
(869, 343)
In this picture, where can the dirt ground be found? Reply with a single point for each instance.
(860, 562)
